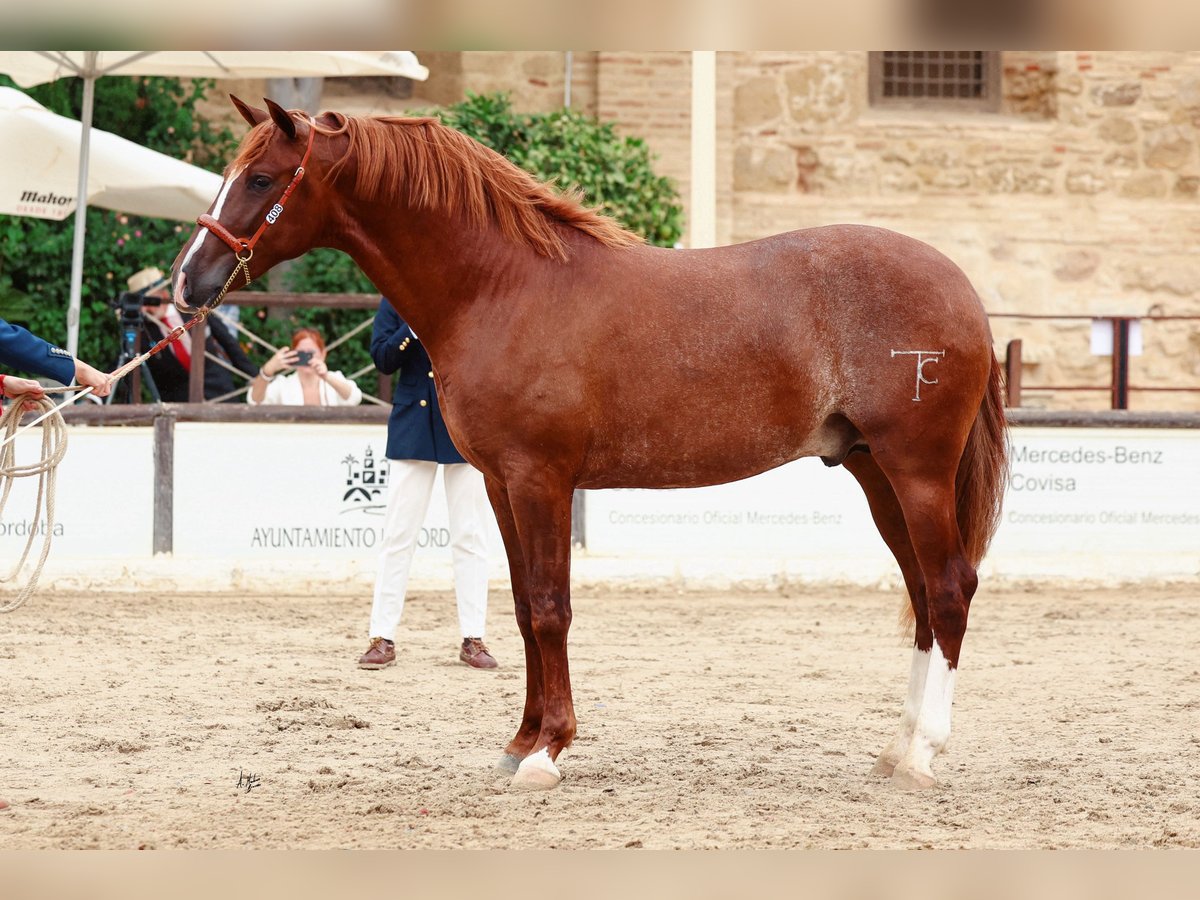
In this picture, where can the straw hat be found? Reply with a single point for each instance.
(146, 281)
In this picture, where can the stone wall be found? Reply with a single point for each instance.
(1078, 197)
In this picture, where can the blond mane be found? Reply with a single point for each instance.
(424, 164)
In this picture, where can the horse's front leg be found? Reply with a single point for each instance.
(541, 507)
(531, 721)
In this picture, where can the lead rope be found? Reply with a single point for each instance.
(54, 448)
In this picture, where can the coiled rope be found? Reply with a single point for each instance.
(54, 448)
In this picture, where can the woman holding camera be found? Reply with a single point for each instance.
(310, 382)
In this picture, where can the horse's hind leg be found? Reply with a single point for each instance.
(531, 721)
(927, 496)
(889, 519)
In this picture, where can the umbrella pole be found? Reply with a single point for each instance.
(81, 197)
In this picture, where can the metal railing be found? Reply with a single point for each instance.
(1118, 387)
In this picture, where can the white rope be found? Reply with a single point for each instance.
(242, 329)
(351, 333)
(54, 448)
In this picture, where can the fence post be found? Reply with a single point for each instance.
(578, 531)
(1012, 373)
(164, 483)
(196, 373)
(1120, 363)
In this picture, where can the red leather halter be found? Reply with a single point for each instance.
(240, 245)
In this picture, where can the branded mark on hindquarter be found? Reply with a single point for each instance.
(924, 358)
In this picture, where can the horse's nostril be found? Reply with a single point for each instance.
(183, 291)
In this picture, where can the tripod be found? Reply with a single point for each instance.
(131, 331)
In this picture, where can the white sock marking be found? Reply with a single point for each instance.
(540, 760)
(932, 731)
(918, 670)
(916, 690)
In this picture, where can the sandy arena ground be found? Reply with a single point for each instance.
(705, 721)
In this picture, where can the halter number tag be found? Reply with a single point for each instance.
(273, 214)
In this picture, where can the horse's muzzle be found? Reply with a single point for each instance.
(180, 295)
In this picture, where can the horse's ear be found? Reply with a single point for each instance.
(249, 113)
(281, 117)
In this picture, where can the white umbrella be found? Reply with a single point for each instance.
(30, 67)
(38, 176)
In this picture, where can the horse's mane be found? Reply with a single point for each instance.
(425, 164)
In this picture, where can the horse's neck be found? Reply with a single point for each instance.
(431, 268)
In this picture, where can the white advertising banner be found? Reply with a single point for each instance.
(1101, 503)
(104, 497)
(801, 511)
(1084, 503)
(257, 505)
(290, 492)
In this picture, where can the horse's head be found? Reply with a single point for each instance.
(268, 209)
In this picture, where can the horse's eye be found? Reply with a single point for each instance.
(260, 182)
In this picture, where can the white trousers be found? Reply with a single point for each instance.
(410, 485)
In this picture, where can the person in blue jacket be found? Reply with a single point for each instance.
(417, 444)
(21, 349)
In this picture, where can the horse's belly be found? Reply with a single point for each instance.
(712, 454)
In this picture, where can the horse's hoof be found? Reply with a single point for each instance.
(911, 780)
(508, 763)
(536, 773)
(883, 767)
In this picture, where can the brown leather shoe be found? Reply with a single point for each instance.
(380, 655)
(475, 654)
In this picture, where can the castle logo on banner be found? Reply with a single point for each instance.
(365, 486)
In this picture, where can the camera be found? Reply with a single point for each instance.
(130, 303)
(303, 357)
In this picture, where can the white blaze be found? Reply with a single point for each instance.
(202, 233)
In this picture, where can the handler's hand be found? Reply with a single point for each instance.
(26, 388)
(89, 377)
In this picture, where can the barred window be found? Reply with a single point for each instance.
(951, 79)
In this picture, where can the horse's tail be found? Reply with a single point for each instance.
(983, 471)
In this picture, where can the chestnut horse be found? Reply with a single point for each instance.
(568, 354)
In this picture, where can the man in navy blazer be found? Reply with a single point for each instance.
(21, 349)
(417, 444)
